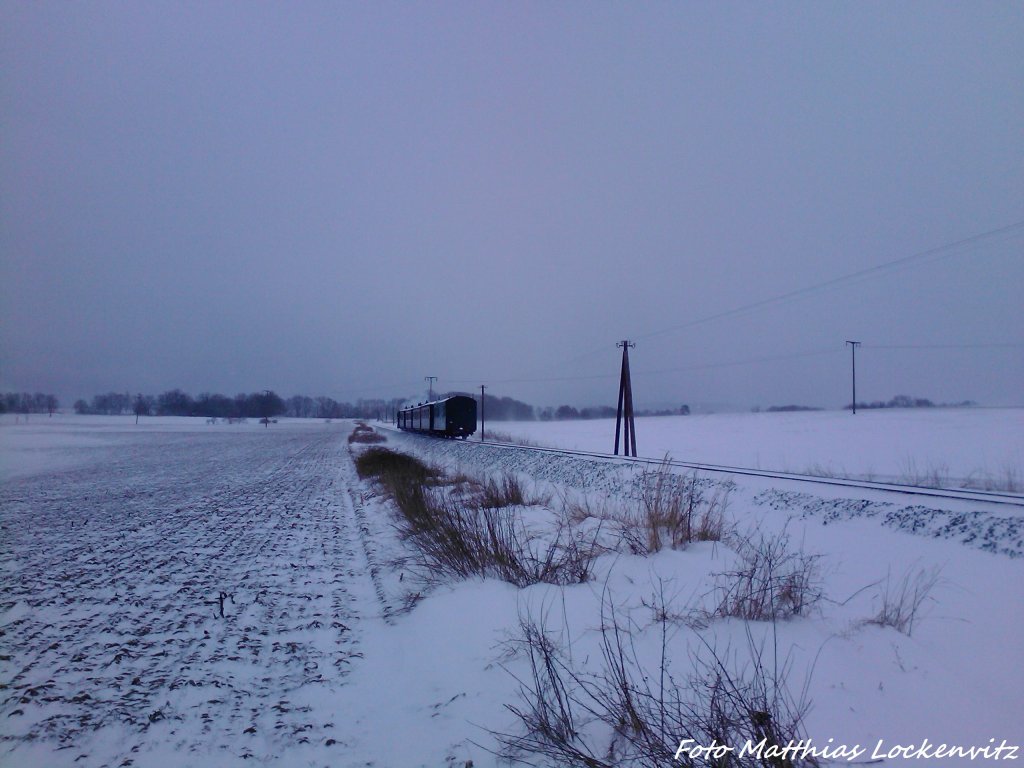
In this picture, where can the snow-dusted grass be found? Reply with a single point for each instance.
(629, 707)
(330, 650)
(865, 679)
(966, 447)
(903, 600)
(466, 528)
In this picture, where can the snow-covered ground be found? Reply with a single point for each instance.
(963, 446)
(180, 593)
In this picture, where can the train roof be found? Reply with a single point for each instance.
(441, 400)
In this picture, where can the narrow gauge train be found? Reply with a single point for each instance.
(452, 417)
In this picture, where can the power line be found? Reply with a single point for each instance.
(700, 367)
(712, 366)
(537, 380)
(749, 361)
(947, 249)
(1008, 345)
(941, 251)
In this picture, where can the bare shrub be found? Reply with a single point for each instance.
(1010, 481)
(1007, 481)
(823, 470)
(931, 476)
(711, 523)
(578, 510)
(507, 491)
(367, 435)
(903, 600)
(770, 581)
(627, 714)
(674, 511)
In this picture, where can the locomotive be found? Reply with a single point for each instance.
(451, 417)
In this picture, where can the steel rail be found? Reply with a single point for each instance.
(962, 494)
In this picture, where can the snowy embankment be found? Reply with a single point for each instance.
(969, 447)
(191, 594)
(990, 527)
(949, 680)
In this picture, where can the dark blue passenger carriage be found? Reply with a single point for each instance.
(451, 417)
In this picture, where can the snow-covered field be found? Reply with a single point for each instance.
(962, 446)
(178, 593)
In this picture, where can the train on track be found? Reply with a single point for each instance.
(451, 417)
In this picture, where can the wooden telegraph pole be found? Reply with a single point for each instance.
(853, 361)
(625, 406)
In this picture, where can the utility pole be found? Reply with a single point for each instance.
(482, 401)
(853, 360)
(430, 379)
(625, 407)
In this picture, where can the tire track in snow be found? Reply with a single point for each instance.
(369, 535)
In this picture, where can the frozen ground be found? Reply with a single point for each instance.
(120, 545)
(962, 446)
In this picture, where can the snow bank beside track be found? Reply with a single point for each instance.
(999, 530)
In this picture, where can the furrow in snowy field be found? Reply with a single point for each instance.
(202, 594)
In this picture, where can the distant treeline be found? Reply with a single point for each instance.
(786, 408)
(23, 402)
(568, 412)
(303, 407)
(266, 404)
(508, 409)
(905, 401)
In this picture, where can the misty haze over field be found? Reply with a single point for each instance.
(340, 199)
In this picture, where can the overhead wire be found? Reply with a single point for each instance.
(706, 366)
(941, 251)
(931, 254)
(697, 367)
(946, 250)
(1006, 345)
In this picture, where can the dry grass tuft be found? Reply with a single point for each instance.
(675, 510)
(902, 601)
(393, 469)
(505, 437)
(363, 433)
(642, 711)
(466, 528)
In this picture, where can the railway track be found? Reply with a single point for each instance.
(1004, 499)
(985, 520)
(963, 494)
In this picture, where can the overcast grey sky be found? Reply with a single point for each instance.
(342, 198)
